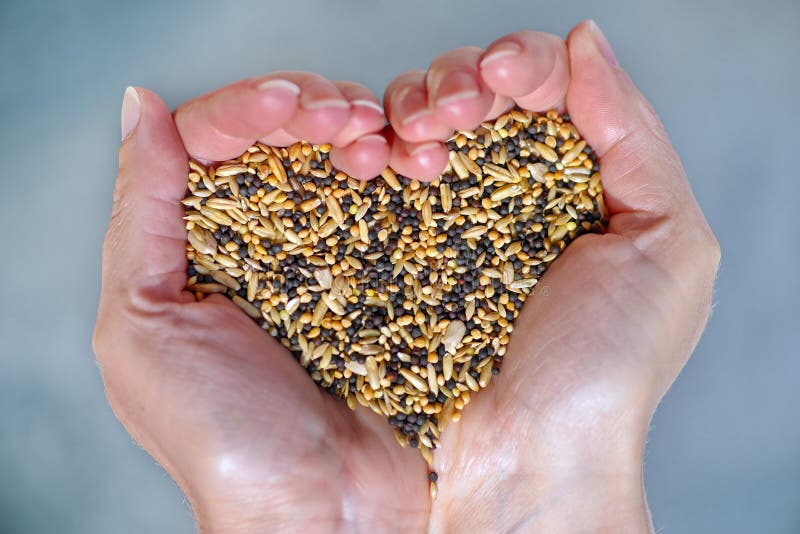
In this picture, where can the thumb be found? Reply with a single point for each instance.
(645, 187)
(144, 252)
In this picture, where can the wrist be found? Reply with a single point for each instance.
(535, 502)
(303, 518)
(297, 508)
(542, 482)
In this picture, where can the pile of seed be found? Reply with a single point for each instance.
(394, 294)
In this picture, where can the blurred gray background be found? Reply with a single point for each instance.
(724, 449)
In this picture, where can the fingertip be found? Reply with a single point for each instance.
(366, 116)
(364, 159)
(463, 101)
(580, 43)
(504, 49)
(318, 125)
(600, 106)
(278, 84)
(222, 124)
(411, 115)
(375, 106)
(602, 44)
(458, 94)
(530, 67)
(275, 102)
(422, 161)
(151, 128)
(432, 161)
(409, 112)
(322, 113)
(129, 115)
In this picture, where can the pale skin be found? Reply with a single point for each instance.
(555, 444)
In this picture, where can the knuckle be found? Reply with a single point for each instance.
(146, 309)
(129, 318)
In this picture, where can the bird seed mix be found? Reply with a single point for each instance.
(395, 294)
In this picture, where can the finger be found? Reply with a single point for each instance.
(423, 161)
(645, 187)
(365, 158)
(323, 111)
(367, 114)
(281, 108)
(145, 248)
(366, 117)
(460, 98)
(359, 150)
(223, 124)
(531, 67)
(406, 103)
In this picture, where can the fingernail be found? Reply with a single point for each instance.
(412, 106)
(602, 44)
(129, 117)
(424, 147)
(368, 104)
(500, 50)
(415, 116)
(279, 84)
(455, 86)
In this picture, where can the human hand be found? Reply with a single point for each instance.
(251, 440)
(556, 443)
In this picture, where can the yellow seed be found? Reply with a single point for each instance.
(573, 152)
(310, 204)
(507, 191)
(474, 232)
(231, 170)
(546, 152)
(414, 380)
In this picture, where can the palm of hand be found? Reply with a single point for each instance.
(270, 434)
(250, 438)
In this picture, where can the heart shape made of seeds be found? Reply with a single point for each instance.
(394, 294)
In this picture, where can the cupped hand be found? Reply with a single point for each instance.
(554, 444)
(254, 444)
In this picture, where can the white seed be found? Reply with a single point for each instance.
(453, 335)
(202, 240)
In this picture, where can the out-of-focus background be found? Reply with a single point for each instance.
(724, 449)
